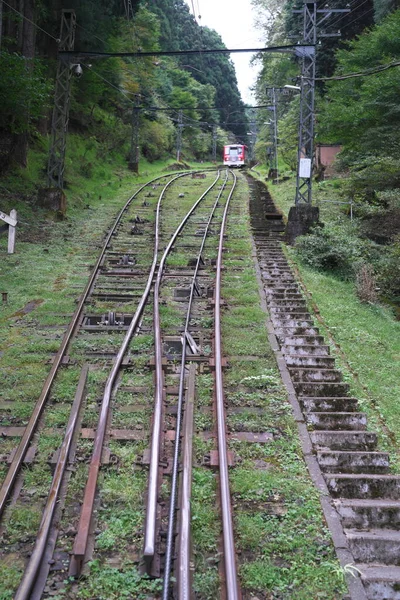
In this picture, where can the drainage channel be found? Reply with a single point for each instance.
(359, 497)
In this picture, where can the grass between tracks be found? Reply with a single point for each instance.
(364, 337)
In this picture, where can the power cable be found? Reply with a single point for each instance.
(357, 18)
(109, 82)
(366, 73)
(32, 22)
(336, 21)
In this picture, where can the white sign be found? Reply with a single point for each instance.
(305, 168)
(8, 219)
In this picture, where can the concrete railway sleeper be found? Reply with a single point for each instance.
(363, 507)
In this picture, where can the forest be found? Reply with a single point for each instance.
(357, 106)
(102, 99)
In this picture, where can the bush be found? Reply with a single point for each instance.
(331, 248)
(389, 276)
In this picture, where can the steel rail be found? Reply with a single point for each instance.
(42, 536)
(31, 572)
(151, 505)
(232, 584)
(184, 574)
(30, 428)
(81, 539)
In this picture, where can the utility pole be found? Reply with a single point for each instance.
(214, 143)
(179, 136)
(59, 124)
(313, 18)
(135, 151)
(273, 156)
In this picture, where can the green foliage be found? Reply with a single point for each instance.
(106, 583)
(371, 175)
(24, 92)
(363, 113)
(331, 248)
(389, 277)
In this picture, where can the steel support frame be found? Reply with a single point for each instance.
(59, 125)
(311, 26)
(134, 154)
(305, 152)
(214, 143)
(179, 136)
(273, 157)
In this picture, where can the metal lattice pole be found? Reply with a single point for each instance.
(179, 136)
(135, 152)
(307, 102)
(59, 125)
(214, 143)
(273, 157)
(311, 32)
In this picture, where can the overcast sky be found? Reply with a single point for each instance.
(234, 21)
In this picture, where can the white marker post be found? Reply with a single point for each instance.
(11, 221)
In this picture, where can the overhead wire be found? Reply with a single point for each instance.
(32, 22)
(366, 73)
(345, 15)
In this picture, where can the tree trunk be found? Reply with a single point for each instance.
(20, 145)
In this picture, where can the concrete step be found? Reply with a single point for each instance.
(268, 277)
(305, 350)
(280, 320)
(283, 288)
(380, 582)
(304, 340)
(315, 374)
(363, 486)
(292, 331)
(321, 389)
(367, 514)
(299, 309)
(375, 546)
(345, 404)
(353, 462)
(325, 362)
(344, 440)
(353, 421)
(283, 295)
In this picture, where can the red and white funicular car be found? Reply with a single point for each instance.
(235, 155)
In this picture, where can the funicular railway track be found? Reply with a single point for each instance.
(360, 498)
(115, 260)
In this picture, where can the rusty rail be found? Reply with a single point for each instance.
(232, 584)
(183, 572)
(24, 590)
(151, 506)
(30, 429)
(184, 575)
(81, 539)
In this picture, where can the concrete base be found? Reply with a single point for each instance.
(53, 199)
(301, 218)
